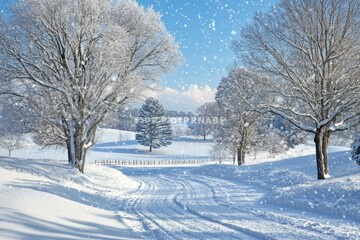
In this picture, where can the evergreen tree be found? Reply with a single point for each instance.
(355, 153)
(153, 129)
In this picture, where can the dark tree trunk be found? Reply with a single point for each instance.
(68, 147)
(71, 150)
(321, 153)
(9, 153)
(241, 155)
(204, 135)
(150, 149)
(326, 138)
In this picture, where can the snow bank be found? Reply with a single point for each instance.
(338, 195)
(292, 183)
(47, 199)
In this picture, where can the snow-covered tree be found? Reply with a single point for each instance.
(219, 152)
(288, 132)
(11, 141)
(72, 62)
(124, 118)
(153, 129)
(207, 116)
(238, 133)
(11, 130)
(355, 153)
(272, 141)
(240, 129)
(306, 55)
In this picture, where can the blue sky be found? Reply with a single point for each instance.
(204, 30)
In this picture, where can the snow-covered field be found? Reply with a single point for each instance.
(268, 198)
(121, 145)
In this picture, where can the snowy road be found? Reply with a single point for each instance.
(173, 204)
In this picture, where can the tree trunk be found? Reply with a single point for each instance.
(80, 151)
(80, 157)
(81, 154)
(204, 135)
(9, 153)
(68, 147)
(71, 148)
(321, 149)
(76, 148)
(241, 155)
(326, 138)
(150, 149)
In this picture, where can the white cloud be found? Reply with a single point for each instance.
(184, 100)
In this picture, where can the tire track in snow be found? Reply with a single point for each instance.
(150, 226)
(172, 205)
(193, 186)
(162, 219)
(229, 225)
(297, 221)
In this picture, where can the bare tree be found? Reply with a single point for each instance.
(241, 127)
(11, 130)
(207, 114)
(75, 61)
(11, 142)
(307, 55)
(238, 133)
(219, 152)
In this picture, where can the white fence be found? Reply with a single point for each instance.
(153, 162)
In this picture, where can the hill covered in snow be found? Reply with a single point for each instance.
(42, 197)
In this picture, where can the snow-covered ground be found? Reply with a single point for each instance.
(114, 144)
(45, 199)
(268, 198)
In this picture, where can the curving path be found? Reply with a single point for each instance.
(171, 204)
